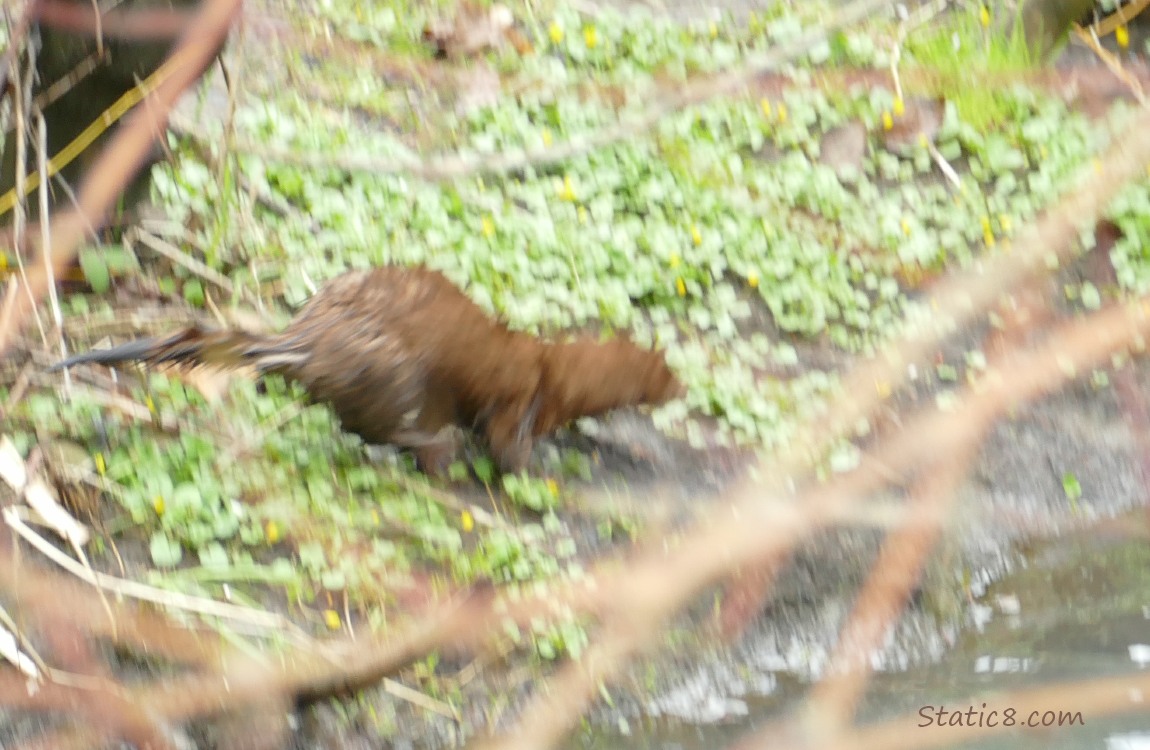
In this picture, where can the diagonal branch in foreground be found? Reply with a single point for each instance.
(1072, 348)
(643, 597)
(122, 158)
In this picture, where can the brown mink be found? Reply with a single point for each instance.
(401, 355)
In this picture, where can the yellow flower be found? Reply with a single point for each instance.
(899, 107)
(101, 466)
(150, 404)
(555, 31)
(753, 280)
(590, 37)
(887, 121)
(695, 236)
(1122, 36)
(567, 192)
(905, 226)
(331, 617)
(272, 532)
(765, 105)
(984, 16)
(488, 227)
(987, 232)
(1004, 222)
(547, 137)
(674, 260)
(680, 287)
(553, 487)
(714, 29)
(158, 504)
(467, 521)
(782, 113)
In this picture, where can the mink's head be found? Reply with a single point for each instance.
(659, 381)
(644, 377)
(584, 378)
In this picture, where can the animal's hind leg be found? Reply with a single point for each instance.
(509, 437)
(433, 441)
(434, 458)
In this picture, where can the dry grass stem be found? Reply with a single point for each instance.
(1121, 16)
(180, 258)
(135, 590)
(1088, 37)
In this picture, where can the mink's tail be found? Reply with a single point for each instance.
(196, 346)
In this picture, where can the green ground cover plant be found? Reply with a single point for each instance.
(718, 235)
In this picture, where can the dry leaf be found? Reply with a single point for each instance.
(10, 651)
(41, 500)
(844, 148)
(12, 469)
(473, 30)
(919, 122)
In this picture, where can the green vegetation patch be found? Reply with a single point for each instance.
(718, 233)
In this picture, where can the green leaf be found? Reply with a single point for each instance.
(946, 372)
(334, 580)
(484, 469)
(457, 471)
(214, 556)
(95, 268)
(194, 292)
(1071, 487)
(166, 552)
(1091, 299)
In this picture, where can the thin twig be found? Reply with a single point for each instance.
(136, 590)
(891, 582)
(46, 241)
(1122, 15)
(180, 258)
(1088, 37)
(19, 210)
(424, 701)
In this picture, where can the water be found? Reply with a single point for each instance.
(1073, 609)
